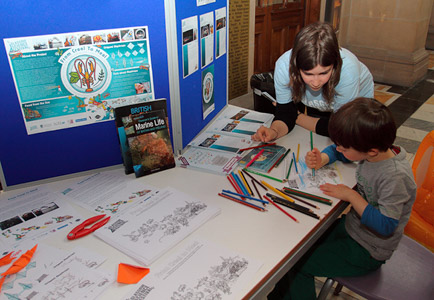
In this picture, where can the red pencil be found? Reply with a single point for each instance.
(254, 158)
(281, 209)
(260, 146)
(242, 202)
(275, 163)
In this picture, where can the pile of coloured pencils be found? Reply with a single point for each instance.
(307, 195)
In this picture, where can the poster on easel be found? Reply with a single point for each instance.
(220, 34)
(73, 79)
(206, 38)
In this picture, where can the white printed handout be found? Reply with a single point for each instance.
(220, 35)
(235, 127)
(33, 214)
(246, 115)
(206, 38)
(57, 274)
(151, 227)
(218, 162)
(107, 193)
(201, 270)
(220, 142)
(190, 52)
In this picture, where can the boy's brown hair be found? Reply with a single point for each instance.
(363, 124)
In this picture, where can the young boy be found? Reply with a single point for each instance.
(361, 241)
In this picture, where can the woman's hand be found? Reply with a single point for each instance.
(265, 134)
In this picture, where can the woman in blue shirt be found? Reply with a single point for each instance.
(312, 80)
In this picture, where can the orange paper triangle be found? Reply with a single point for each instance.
(21, 262)
(131, 274)
(1, 282)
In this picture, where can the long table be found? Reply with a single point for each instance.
(270, 237)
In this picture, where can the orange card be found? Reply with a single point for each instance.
(131, 274)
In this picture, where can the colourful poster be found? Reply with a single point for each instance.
(220, 37)
(190, 55)
(73, 79)
(208, 104)
(206, 39)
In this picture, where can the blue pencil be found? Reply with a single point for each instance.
(241, 184)
(248, 197)
(295, 162)
(241, 200)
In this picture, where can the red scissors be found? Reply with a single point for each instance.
(81, 229)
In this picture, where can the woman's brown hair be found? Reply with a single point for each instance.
(315, 44)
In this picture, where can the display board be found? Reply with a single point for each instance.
(28, 157)
(202, 31)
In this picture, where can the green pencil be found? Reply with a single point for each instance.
(311, 148)
(308, 196)
(289, 170)
(266, 176)
(283, 157)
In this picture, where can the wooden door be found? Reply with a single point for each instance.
(276, 24)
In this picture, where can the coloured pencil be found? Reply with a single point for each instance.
(298, 151)
(243, 179)
(277, 191)
(283, 157)
(255, 158)
(248, 197)
(289, 170)
(236, 186)
(256, 188)
(293, 206)
(264, 175)
(311, 148)
(242, 202)
(253, 178)
(281, 209)
(299, 199)
(260, 146)
(241, 185)
(295, 162)
(269, 170)
(308, 196)
(274, 197)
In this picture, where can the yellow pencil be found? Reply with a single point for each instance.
(277, 191)
(245, 182)
(298, 151)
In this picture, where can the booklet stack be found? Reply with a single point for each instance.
(219, 148)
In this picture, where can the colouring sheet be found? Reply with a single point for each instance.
(214, 273)
(33, 214)
(107, 193)
(153, 226)
(57, 274)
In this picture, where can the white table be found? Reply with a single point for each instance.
(270, 237)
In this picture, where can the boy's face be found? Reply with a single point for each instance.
(352, 154)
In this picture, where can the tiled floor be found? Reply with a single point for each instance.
(413, 110)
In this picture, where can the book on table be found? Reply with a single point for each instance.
(156, 151)
(266, 160)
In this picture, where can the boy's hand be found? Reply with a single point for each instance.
(340, 191)
(313, 159)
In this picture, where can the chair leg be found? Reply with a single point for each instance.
(338, 289)
(325, 289)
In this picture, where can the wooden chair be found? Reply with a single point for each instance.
(408, 274)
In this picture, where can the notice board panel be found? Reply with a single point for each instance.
(193, 89)
(26, 158)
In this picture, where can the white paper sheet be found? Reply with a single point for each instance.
(107, 193)
(214, 272)
(152, 227)
(32, 214)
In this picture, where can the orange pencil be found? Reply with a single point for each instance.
(260, 146)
